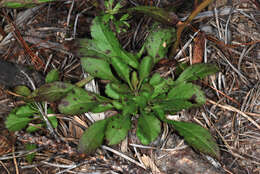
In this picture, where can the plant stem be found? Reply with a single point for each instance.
(84, 81)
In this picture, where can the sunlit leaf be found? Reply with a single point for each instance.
(16, 123)
(110, 92)
(52, 76)
(25, 111)
(33, 128)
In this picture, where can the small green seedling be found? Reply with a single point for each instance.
(133, 91)
(28, 116)
(109, 15)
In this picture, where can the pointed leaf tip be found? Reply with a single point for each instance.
(197, 137)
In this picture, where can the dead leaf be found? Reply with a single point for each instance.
(198, 50)
(148, 162)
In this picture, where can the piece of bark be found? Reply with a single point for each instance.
(12, 75)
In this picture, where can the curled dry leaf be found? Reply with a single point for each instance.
(198, 50)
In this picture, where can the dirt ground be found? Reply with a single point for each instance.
(45, 37)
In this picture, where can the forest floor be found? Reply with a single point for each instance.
(45, 37)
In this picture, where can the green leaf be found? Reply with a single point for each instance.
(197, 71)
(172, 105)
(158, 42)
(155, 79)
(22, 90)
(102, 107)
(117, 129)
(197, 137)
(25, 111)
(148, 128)
(30, 156)
(107, 42)
(97, 68)
(54, 121)
(31, 128)
(51, 91)
(52, 76)
(120, 88)
(159, 14)
(16, 123)
(160, 88)
(88, 48)
(93, 137)
(78, 101)
(145, 67)
(141, 101)
(134, 79)
(187, 91)
(130, 107)
(122, 69)
(110, 92)
(117, 105)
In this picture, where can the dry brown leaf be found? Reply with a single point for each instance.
(198, 50)
(148, 162)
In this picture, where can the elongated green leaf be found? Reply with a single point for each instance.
(197, 71)
(16, 123)
(102, 107)
(21, 4)
(93, 137)
(110, 92)
(160, 88)
(155, 79)
(145, 67)
(22, 90)
(88, 48)
(32, 128)
(172, 105)
(159, 14)
(106, 41)
(189, 92)
(134, 79)
(97, 68)
(117, 129)
(51, 91)
(52, 76)
(122, 69)
(158, 42)
(53, 120)
(148, 128)
(197, 137)
(78, 101)
(120, 88)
